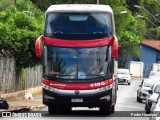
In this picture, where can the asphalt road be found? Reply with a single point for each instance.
(126, 106)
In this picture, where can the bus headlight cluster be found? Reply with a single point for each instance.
(108, 98)
(48, 87)
(49, 97)
(106, 88)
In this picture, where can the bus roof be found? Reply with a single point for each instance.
(79, 8)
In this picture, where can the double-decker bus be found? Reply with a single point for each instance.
(78, 49)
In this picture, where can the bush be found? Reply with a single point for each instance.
(18, 32)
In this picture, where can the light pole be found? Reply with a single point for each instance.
(137, 6)
(121, 12)
(157, 27)
(140, 16)
(28, 12)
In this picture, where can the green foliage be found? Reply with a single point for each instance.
(4, 4)
(153, 33)
(44, 4)
(29, 8)
(18, 32)
(129, 31)
(150, 10)
(129, 39)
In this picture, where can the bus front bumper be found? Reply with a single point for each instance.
(81, 100)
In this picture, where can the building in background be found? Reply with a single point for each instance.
(149, 54)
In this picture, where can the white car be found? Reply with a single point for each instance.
(124, 76)
(154, 75)
(144, 87)
(153, 93)
(155, 109)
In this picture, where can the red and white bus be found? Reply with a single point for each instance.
(78, 50)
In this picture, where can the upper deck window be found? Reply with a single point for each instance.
(78, 25)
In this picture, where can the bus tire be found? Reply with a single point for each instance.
(113, 109)
(51, 109)
(66, 109)
(140, 100)
(105, 110)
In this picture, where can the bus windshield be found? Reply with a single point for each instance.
(77, 64)
(80, 26)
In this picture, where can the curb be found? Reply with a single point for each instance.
(20, 94)
(34, 108)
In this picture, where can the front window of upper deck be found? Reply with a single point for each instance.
(78, 25)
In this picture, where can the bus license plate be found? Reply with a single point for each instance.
(76, 100)
(121, 80)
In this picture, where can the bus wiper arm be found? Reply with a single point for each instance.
(103, 77)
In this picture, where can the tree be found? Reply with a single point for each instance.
(129, 31)
(44, 4)
(149, 10)
(18, 32)
(129, 40)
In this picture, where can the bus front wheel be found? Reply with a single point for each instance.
(52, 109)
(106, 110)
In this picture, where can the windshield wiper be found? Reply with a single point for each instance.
(58, 76)
(103, 77)
(50, 76)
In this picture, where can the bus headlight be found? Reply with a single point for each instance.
(106, 88)
(48, 97)
(108, 98)
(48, 87)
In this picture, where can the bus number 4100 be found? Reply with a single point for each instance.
(97, 84)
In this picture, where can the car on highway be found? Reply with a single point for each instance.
(153, 93)
(123, 76)
(144, 88)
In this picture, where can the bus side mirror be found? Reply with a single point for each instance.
(115, 47)
(38, 47)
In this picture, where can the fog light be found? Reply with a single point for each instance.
(49, 97)
(106, 98)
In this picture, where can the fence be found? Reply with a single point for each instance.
(29, 77)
